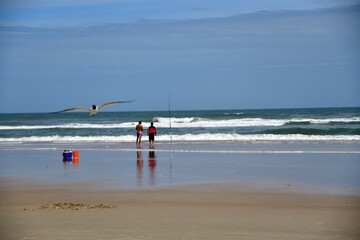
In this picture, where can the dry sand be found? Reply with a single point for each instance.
(221, 211)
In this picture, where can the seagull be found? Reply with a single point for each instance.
(94, 109)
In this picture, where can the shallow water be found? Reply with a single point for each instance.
(148, 168)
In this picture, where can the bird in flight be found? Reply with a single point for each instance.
(94, 109)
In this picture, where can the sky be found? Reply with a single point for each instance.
(228, 54)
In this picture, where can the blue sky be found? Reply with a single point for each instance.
(207, 54)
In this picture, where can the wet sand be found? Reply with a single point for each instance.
(247, 196)
(209, 211)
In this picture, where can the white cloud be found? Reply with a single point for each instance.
(228, 56)
(54, 3)
(89, 12)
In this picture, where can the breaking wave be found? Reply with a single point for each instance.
(185, 137)
(195, 122)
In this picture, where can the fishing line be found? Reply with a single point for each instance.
(171, 148)
(170, 120)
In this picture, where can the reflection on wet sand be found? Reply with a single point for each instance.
(71, 168)
(152, 166)
(140, 166)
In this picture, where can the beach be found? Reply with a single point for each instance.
(254, 108)
(189, 212)
(181, 191)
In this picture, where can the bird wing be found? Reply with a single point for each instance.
(113, 102)
(75, 108)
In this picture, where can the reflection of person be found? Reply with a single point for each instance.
(139, 129)
(152, 166)
(151, 132)
(140, 165)
(139, 159)
(152, 159)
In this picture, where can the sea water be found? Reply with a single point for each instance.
(330, 165)
(320, 124)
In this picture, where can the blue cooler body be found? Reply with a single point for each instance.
(67, 156)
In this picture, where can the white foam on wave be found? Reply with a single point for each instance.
(71, 126)
(238, 113)
(192, 122)
(166, 120)
(186, 137)
(325, 121)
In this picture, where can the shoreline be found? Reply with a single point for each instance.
(184, 191)
(327, 166)
(344, 146)
(241, 187)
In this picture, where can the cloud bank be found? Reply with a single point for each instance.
(261, 60)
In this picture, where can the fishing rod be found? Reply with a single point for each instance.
(170, 121)
(170, 176)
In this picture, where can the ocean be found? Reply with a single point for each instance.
(317, 124)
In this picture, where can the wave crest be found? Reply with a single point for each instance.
(196, 122)
(185, 137)
(166, 120)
